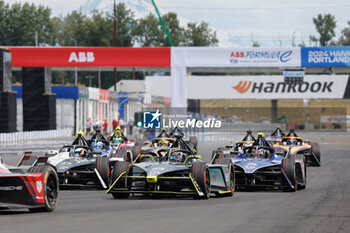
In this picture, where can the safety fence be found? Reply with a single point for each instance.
(33, 137)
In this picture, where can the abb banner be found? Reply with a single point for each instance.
(90, 57)
(255, 87)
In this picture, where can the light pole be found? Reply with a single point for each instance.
(115, 78)
(75, 69)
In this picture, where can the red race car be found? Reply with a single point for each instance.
(31, 184)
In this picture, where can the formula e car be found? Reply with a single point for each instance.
(30, 185)
(259, 166)
(297, 145)
(123, 150)
(276, 136)
(162, 140)
(191, 141)
(236, 149)
(176, 172)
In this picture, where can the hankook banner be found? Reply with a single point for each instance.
(255, 87)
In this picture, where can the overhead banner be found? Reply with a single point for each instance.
(325, 56)
(237, 57)
(255, 87)
(90, 57)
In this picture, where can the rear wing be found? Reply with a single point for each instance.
(32, 160)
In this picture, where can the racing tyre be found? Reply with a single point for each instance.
(315, 149)
(194, 141)
(200, 173)
(102, 166)
(118, 169)
(288, 166)
(50, 188)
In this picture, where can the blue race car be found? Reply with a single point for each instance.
(260, 166)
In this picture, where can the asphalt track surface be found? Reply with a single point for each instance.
(324, 206)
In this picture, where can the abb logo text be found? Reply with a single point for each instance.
(237, 54)
(81, 57)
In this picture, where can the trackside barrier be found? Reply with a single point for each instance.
(33, 137)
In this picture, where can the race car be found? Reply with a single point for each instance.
(31, 184)
(175, 172)
(191, 141)
(276, 136)
(297, 145)
(75, 164)
(123, 150)
(99, 144)
(259, 166)
(236, 149)
(162, 140)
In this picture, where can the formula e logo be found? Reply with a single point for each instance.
(242, 87)
(82, 57)
(151, 120)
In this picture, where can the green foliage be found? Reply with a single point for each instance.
(200, 35)
(325, 25)
(19, 24)
(345, 36)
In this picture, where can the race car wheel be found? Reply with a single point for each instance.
(118, 169)
(50, 188)
(102, 166)
(200, 173)
(315, 149)
(194, 141)
(288, 166)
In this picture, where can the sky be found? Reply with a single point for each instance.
(272, 23)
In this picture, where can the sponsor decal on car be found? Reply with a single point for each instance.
(39, 186)
(11, 188)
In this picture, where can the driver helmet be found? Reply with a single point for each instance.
(99, 146)
(79, 152)
(176, 157)
(117, 140)
(291, 142)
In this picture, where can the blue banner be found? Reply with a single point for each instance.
(325, 56)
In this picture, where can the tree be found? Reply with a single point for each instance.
(345, 36)
(200, 35)
(20, 24)
(325, 25)
(149, 32)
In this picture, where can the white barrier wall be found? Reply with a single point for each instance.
(65, 113)
(33, 137)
